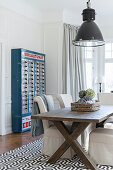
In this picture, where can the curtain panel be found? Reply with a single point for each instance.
(73, 59)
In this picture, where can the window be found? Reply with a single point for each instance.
(90, 68)
(109, 67)
(89, 73)
(99, 64)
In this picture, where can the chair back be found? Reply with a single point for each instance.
(65, 100)
(105, 98)
(43, 108)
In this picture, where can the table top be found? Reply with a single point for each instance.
(67, 115)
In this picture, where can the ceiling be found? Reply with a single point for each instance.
(57, 4)
(32, 8)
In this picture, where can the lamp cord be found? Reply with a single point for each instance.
(88, 4)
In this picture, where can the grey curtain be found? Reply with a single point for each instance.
(74, 76)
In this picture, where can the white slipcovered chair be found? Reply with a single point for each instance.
(101, 146)
(52, 138)
(107, 99)
(101, 139)
(65, 100)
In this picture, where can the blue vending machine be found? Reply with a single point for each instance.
(28, 80)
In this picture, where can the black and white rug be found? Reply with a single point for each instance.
(28, 157)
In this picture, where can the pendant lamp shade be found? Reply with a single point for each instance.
(89, 33)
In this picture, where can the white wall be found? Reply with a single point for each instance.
(52, 43)
(18, 32)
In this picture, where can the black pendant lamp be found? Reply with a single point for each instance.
(89, 34)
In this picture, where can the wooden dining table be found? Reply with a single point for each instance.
(80, 121)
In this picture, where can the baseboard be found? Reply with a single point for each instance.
(3, 132)
(8, 130)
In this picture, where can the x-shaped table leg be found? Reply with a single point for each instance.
(70, 140)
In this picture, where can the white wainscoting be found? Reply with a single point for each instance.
(2, 88)
(8, 118)
(8, 122)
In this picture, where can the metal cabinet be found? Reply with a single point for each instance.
(28, 80)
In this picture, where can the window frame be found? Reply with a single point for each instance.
(108, 60)
(99, 61)
(93, 62)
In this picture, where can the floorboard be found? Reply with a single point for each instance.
(15, 140)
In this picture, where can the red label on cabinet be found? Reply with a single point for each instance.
(26, 122)
(35, 56)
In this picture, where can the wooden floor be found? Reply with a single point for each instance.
(15, 140)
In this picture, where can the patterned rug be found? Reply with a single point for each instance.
(28, 157)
